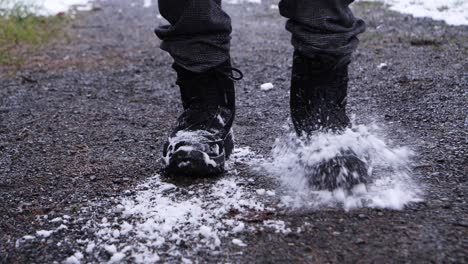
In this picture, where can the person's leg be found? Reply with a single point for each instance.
(322, 26)
(198, 37)
(324, 36)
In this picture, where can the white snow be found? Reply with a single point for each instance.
(159, 220)
(238, 242)
(208, 160)
(392, 185)
(45, 233)
(274, 7)
(188, 137)
(453, 12)
(57, 219)
(90, 247)
(111, 249)
(239, 228)
(266, 86)
(49, 7)
(74, 259)
(61, 227)
(159, 216)
(221, 120)
(147, 3)
(117, 257)
(382, 66)
(243, 1)
(278, 226)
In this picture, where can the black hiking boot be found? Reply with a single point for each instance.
(318, 104)
(202, 140)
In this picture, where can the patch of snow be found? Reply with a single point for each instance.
(61, 227)
(189, 137)
(234, 2)
(90, 247)
(117, 257)
(111, 249)
(208, 160)
(147, 3)
(57, 219)
(159, 218)
(49, 7)
(266, 86)
(186, 261)
(238, 242)
(453, 12)
(261, 191)
(239, 228)
(221, 120)
(382, 66)
(44, 233)
(278, 226)
(74, 259)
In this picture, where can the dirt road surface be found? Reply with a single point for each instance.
(82, 125)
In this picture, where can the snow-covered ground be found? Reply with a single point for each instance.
(453, 12)
(159, 218)
(48, 7)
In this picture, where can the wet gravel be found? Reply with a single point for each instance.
(86, 120)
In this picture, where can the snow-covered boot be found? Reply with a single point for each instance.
(202, 140)
(318, 104)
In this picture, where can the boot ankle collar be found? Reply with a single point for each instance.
(322, 62)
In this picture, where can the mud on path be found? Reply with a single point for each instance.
(89, 121)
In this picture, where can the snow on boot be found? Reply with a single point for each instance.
(202, 140)
(318, 104)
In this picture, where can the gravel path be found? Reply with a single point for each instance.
(82, 125)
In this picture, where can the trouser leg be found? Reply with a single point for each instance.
(198, 36)
(322, 26)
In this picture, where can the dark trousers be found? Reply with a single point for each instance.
(198, 37)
